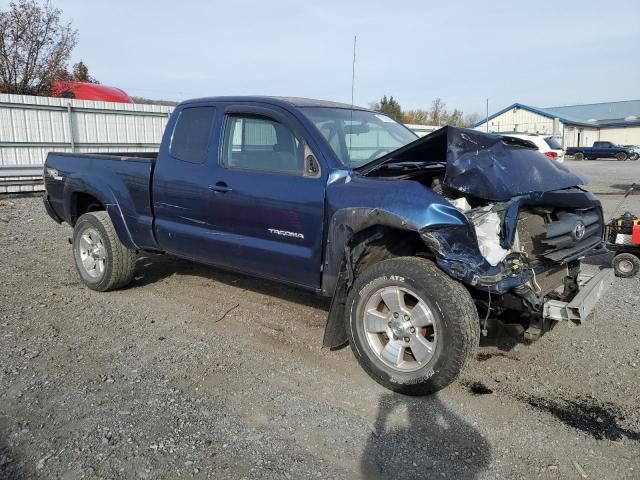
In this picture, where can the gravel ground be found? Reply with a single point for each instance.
(194, 372)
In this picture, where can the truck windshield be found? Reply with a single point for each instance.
(358, 137)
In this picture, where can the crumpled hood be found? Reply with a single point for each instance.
(485, 166)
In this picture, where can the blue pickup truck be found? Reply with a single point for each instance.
(417, 241)
(603, 150)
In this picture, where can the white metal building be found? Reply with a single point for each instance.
(577, 125)
(30, 127)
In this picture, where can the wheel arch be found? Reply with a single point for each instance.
(366, 247)
(79, 201)
(379, 242)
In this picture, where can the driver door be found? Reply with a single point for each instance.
(268, 206)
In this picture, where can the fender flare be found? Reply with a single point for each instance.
(107, 198)
(337, 276)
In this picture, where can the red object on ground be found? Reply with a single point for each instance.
(89, 91)
(635, 235)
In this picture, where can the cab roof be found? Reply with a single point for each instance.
(279, 101)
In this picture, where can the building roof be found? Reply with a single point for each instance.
(605, 111)
(606, 114)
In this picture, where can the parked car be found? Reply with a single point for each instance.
(603, 150)
(89, 91)
(411, 238)
(550, 146)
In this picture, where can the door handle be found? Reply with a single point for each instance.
(220, 187)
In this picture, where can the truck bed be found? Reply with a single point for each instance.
(124, 179)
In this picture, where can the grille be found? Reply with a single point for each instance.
(553, 234)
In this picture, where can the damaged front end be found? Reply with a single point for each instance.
(528, 256)
(529, 226)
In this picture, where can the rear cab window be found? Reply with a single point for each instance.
(191, 134)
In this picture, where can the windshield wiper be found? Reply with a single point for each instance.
(404, 166)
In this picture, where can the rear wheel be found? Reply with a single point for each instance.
(404, 328)
(101, 260)
(579, 156)
(634, 156)
(626, 265)
(621, 156)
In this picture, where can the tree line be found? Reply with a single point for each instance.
(35, 47)
(437, 114)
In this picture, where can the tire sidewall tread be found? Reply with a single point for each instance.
(457, 323)
(630, 257)
(120, 264)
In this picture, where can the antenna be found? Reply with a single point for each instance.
(353, 82)
(353, 70)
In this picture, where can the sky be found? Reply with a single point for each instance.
(540, 53)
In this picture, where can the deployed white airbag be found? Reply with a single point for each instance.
(488, 233)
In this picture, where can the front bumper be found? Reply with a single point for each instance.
(592, 288)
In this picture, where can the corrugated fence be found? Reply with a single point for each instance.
(30, 127)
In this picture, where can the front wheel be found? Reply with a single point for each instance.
(102, 261)
(411, 327)
(621, 156)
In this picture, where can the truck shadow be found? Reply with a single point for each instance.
(624, 187)
(421, 438)
(151, 269)
(601, 260)
(155, 268)
(11, 468)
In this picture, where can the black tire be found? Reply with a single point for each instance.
(117, 261)
(634, 156)
(455, 321)
(621, 156)
(626, 265)
(578, 156)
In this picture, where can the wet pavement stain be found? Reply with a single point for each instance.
(599, 421)
(483, 357)
(478, 388)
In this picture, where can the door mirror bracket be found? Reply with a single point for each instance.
(311, 164)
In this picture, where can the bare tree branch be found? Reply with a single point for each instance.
(35, 47)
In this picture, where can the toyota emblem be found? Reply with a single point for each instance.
(579, 230)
